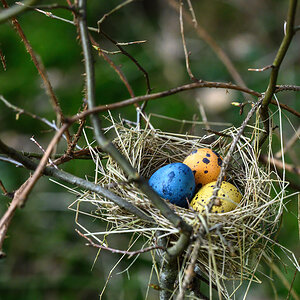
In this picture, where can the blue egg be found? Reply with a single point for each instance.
(174, 182)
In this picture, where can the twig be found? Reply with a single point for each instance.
(14, 10)
(40, 67)
(287, 87)
(275, 69)
(5, 192)
(2, 57)
(129, 253)
(186, 55)
(187, 87)
(262, 69)
(292, 283)
(108, 147)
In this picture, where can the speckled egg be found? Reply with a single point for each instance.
(228, 195)
(174, 182)
(205, 164)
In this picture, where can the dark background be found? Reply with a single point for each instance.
(46, 259)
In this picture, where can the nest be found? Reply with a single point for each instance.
(235, 241)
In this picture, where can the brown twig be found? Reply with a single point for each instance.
(286, 41)
(287, 87)
(129, 253)
(262, 69)
(5, 192)
(186, 54)
(3, 62)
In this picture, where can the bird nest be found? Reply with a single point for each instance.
(234, 241)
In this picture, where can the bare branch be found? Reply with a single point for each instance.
(186, 54)
(290, 31)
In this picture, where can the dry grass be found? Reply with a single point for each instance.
(235, 241)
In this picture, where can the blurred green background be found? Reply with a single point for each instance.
(46, 259)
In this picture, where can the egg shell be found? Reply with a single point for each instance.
(206, 165)
(174, 182)
(228, 195)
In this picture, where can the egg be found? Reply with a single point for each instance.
(205, 164)
(228, 195)
(174, 182)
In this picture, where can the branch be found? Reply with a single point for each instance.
(11, 12)
(107, 145)
(163, 94)
(289, 33)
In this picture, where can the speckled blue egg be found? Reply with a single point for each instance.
(174, 182)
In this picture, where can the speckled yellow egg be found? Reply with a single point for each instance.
(205, 164)
(229, 197)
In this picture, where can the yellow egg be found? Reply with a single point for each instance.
(228, 195)
(205, 164)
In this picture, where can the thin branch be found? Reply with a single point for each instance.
(187, 87)
(186, 54)
(275, 69)
(261, 69)
(5, 192)
(3, 62)
(15, 10)
(287, 87)
(112, 250)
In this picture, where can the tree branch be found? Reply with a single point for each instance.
(289, 33)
